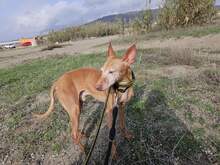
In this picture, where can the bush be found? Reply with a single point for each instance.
(97, 29)
(186, 12)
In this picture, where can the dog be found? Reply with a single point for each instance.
(72, 87)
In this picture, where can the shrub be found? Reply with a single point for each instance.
(97, 29)
(186, 12)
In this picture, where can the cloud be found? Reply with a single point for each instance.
(114, 5)
(48, 16)
(27, 18)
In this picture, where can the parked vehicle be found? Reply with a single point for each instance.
(26, 44)
(9, 46)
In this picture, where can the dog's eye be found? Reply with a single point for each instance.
(111, 72)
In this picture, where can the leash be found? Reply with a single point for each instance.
(112, 130)
(97, 133)
(118, 87)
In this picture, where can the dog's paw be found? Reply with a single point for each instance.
(83, 135)
(115, 156)
(82, 148)
(127, 134)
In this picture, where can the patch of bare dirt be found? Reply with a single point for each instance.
(16, 56)
(13, 57)
(172, 71)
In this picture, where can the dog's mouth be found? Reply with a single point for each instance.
(107, 82)
(102, 87)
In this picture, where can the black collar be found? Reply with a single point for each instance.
(123, 86)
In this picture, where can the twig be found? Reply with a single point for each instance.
(174, 148)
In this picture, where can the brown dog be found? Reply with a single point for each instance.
(72, 87)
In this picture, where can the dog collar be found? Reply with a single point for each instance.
(122, 86)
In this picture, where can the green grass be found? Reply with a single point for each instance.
(27, 79)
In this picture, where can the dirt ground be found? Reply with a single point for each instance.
(9, 58)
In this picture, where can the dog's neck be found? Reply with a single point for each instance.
(126, 82)
(127, 78)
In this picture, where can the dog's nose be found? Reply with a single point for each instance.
(98, 87)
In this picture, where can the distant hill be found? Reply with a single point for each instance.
(127, 17)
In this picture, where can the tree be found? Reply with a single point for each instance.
(147, 20)
(144, 23)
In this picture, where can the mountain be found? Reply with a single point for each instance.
(127, 17)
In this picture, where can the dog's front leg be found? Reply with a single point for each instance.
(124, 131)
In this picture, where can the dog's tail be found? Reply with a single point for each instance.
(51, 107)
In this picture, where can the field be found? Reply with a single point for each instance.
(175, 114)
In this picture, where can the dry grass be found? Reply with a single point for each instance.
(185, 57)
(211, 76)
(175, 56)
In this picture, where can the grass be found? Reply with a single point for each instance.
(28, 79)
(172, 123)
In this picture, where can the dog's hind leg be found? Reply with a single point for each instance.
(69, 99)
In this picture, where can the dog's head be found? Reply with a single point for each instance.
(115, 69)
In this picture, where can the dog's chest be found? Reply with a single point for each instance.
(126, 96)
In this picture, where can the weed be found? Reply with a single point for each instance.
(199, 133)
(56, 147)
(211, 76)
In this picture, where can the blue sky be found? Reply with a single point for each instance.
(25, 18)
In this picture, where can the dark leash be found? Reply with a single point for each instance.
(117, 87)
(112, 132)
(122, 89)
(97, 133)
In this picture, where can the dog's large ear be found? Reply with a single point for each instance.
(130, 55)
(111, 52)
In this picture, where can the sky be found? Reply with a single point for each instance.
(26, 18)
